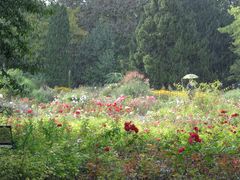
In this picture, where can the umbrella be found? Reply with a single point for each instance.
(190, 76)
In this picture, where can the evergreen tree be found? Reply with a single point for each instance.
(209, 15)
(96, 56)
(168, 44)
(234, 30)
(58, 63)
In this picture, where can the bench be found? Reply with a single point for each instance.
(6, 139)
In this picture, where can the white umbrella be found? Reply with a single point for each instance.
(190, 76)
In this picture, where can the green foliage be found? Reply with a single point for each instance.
(234, 29)
(209, 16)
(96, 56)
(168, 44)
(13, 29)
(57, 62)
(174, 38)
(232, 94)
(22, 84)
(35, 40)
(76, 32)
(66, 140)
(44, 95)
(113, 78)
(9, 84)
(210, 87)
(133, 88)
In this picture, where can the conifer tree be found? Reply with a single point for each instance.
(57, 63)
(168, 43)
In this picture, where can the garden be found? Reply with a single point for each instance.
(119, 89)
(124, 131)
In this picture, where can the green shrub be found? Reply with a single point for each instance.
(62, 89)
(109, 88)
(16, 82)
(232, 94)
(113, 78)
(43, 94)
(134, 88)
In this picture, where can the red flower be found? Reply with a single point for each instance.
(180, 150)
(225, 122)
(196, 129)
(107, 149)
(223, 111)
(128, 126)
(117, 109)
(134, 128)
(194, 137)
(29, 111)
(59, 124)
(60, 111)
(234, 115)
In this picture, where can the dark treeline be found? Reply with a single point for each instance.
(80, 42)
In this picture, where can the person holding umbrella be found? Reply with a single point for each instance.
(191, 84)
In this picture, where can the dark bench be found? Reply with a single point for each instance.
(6, 139)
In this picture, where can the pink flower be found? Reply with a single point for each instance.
(99, 103)
(120, 99)
(29, 111)
(77, 112)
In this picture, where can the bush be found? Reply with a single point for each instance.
(108, 89)
(113, 78)
(15, 82)
(133, 88)
(133, 84)
(62, 89)
(43, 94)
(232, 94)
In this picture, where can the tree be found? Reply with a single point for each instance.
(209, 17)
(122, 16)
(168, 44)
(96, 56)
(57, 63)
(234, 30)
(13, 28)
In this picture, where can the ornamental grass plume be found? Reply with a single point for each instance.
(133, 75)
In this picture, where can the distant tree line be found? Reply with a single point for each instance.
(81, 42)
